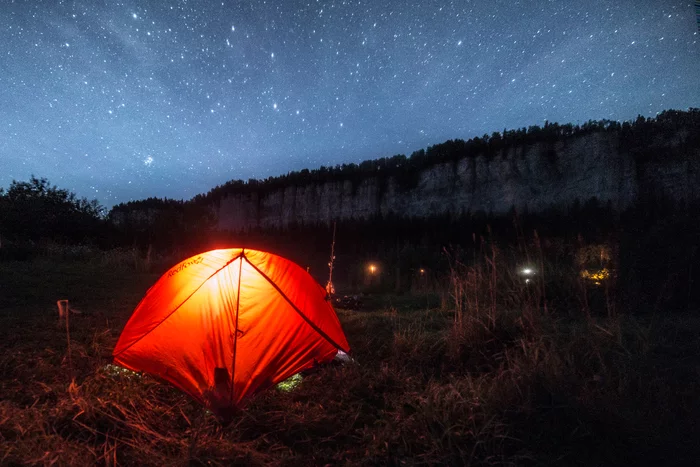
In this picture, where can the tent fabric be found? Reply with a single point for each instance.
(226, 324)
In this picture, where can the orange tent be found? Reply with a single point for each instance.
(228, 323)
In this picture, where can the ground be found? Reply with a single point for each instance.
(434, 383)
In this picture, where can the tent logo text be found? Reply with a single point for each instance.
(182, 266)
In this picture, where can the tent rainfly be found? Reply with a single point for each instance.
(226, 324)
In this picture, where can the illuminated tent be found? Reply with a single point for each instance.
(226, 324)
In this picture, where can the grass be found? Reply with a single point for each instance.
(509, 381)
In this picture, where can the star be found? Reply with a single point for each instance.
(184, 82)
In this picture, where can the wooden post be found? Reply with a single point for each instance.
(64, 311)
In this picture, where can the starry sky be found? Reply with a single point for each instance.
(122, 100)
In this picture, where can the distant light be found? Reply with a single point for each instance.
(372, 269)
(527, 271)
(422, 271)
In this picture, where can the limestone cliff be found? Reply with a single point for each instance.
(536, 176)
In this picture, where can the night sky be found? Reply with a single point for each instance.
(129, 100)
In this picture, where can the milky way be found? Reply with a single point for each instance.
(128, 100)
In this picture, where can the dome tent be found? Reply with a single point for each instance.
(226, 324)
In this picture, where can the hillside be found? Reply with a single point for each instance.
(553, 167)
(529, 169)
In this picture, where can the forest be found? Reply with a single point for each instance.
(36, 216)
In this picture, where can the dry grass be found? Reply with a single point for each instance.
(497, 376)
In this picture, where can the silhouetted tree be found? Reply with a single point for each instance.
(36, 210)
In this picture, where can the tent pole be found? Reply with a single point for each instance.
(330, 290)
(235, 328)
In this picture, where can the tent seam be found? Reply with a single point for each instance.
(293, 305)
(235, 331)
(241, 255)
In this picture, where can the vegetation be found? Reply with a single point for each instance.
(35, 210)
(562, 337)
(162, 224)
(501, 373)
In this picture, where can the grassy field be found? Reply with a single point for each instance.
(489, 375)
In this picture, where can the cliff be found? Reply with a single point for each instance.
(533, 176)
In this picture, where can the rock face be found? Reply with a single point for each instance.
(535, 177)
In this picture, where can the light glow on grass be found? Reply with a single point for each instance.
(115, 370)
(290, 383)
